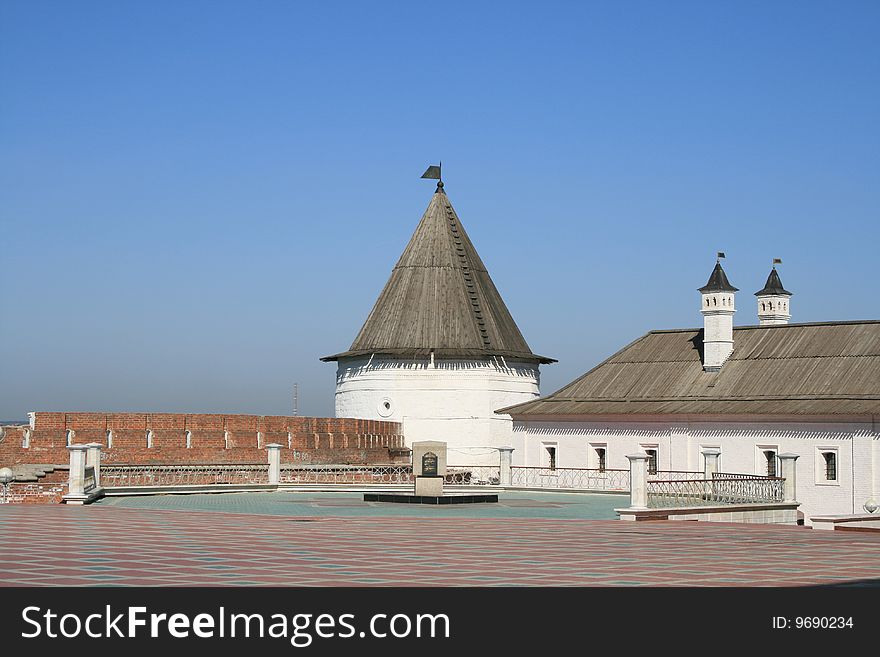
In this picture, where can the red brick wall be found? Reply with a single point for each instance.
(48, 490)
(214, 439)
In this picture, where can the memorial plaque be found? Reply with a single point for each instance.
(429, 464)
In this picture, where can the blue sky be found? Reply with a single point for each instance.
(199, 199)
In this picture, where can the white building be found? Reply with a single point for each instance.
(753, 392)
(439, 352)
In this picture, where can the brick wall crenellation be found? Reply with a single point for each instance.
(214, 438)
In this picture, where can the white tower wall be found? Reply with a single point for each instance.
(448, 400)
(773, 309)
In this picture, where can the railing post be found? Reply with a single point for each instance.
(77, 476)
(274, 450)
(788, 463)
(638, 481)
(506, 474)
(710, 467)
(710, 461)
(93, 460)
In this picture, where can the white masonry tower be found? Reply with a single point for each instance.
(773, 300)
(439, 351)
(717, 307)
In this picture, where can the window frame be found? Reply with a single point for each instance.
(594, 461)
(656, 459)
(821, 466)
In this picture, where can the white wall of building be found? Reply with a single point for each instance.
(741, 442)
(448, 400)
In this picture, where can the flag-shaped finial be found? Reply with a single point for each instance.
(777, 261)
(721, 255)
(433, 172)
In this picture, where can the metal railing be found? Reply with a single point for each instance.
(473, 475)
(462, 475)
(182, 475)
(335, 474)
(664, 488)
(720, 489)
(581, 478)
(674, 475)
(89, 481)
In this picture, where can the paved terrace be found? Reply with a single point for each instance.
(108, 544)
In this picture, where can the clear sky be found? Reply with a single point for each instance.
(200, 199)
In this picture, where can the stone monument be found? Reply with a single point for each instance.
(429, 472)
(429, 467)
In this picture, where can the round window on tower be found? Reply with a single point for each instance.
(386, 407)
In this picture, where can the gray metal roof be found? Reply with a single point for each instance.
(440, 298)
(830, 368)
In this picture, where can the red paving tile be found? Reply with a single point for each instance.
(70, 546)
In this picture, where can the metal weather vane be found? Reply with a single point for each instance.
(434, 172)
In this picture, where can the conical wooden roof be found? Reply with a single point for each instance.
(440, 299)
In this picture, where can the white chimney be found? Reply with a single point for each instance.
(717, 307)
(773, 300)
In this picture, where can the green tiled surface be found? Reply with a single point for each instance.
(517, 504)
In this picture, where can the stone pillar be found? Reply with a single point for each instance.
(274, 450)
(77, 477)
(506, 460)
(93, 460)
(710, 461)
(638, 481)
(788, 465)
(710, 467)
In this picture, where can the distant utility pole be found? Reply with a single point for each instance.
(295, 399)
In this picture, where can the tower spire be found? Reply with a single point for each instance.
(440, 298)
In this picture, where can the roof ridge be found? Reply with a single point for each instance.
(842, 322)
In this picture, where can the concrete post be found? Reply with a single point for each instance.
(638, 481)
(93, 460)
(710, 465)
(77, 476)
(788, 465)
(274, 450)
(506, 461)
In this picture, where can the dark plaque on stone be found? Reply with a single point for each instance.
(429, 464)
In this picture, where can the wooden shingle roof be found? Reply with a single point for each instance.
(828, 368)
(440, 299)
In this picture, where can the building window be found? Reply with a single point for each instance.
(109, 438)
(551, 456)
(652, 460)
(26, 439)
(189, 439)
(830, 459)
(770, 458)
(600, 459)
(69, 438)
(149, 438)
